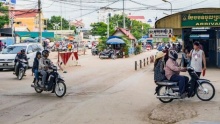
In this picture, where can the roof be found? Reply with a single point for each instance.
(175, 19)
(136, 17)
(34, 34)
(126, 33)
(24, 13)
(23, 44)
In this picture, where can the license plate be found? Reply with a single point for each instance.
(5, 64)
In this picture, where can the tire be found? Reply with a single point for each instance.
(159, 94)
(203, 84)
(57, 89)
(113, 56)
(1, 69)
(100, 56)
(20, 74)
(37, 89)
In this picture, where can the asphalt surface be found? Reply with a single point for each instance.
(102, 92)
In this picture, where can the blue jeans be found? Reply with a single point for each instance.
(183, 80)
(36, 74)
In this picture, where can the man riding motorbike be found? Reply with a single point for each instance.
(172, 71)
(19, 56)
(44, 64)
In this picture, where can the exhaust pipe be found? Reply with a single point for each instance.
(168, 97)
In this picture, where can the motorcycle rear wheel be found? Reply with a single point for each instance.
(60, 89)
(163, 91)
(205, 88)
(37, 89)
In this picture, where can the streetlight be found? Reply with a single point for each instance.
(169, 3)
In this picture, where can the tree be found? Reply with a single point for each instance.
(4, 19)
(100, 28)
(57, 20)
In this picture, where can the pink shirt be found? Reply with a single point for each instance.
(171, 68)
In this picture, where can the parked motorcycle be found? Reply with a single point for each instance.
(54, 84)
(167, 91)
(119, 54)
(95, 51)
(21, 68)
(107, 54)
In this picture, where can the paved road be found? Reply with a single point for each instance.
(101, 92)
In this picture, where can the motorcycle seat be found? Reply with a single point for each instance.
(166, 83)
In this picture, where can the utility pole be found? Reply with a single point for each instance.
(40, 21)
(124, 14)
(108, 25)
(61, 19)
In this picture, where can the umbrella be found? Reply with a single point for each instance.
(115, 41)
(37, 38)
(142, 40)
(29, 40)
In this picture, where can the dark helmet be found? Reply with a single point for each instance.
(173, 55)
(45, 52)
(23, 51)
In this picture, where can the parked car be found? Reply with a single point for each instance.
(8, 55)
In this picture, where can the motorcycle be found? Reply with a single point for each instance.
(55, 83)
(107, 54)
(119, 54)
(167, 91)
(21, 68)
(95, 51)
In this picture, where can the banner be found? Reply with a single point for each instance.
(160, 33)
(200, 20)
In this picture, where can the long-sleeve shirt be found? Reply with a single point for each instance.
(43, 62)
(171, 68)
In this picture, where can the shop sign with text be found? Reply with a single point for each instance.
(200, 20)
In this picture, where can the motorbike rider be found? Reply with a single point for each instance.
(19, 56)
(172, 72)
(44, 65)
(36, 65)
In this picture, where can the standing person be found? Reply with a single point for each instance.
(197, 58)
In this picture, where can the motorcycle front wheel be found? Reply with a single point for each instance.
(60, 89)
(20, 74)
(206, 91)
(164, 91)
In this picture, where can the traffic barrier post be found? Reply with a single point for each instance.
(140, 63)
(135, 65)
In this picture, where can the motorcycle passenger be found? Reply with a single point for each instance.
(159, 74)
(44, 65)
(172, 72)
(20, 55)
(36, 65)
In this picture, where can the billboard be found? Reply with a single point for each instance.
(8, 1)
(160, 33)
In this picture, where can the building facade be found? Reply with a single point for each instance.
(28, 19)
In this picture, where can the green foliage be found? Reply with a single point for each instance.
(57, 19)
(4, 19)
(100, 28)
(102, 43)
(127, 45)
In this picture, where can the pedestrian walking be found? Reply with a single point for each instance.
(198, 59)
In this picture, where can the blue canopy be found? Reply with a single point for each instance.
(115, 41)
(114, 37)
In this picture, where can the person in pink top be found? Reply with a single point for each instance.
(172, 71)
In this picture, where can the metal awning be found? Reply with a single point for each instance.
(34, 34)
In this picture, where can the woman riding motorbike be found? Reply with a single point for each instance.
(159, 67)
(172, 72)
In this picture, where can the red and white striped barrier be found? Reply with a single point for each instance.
(67, 59)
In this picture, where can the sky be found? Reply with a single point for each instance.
(71, 10)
